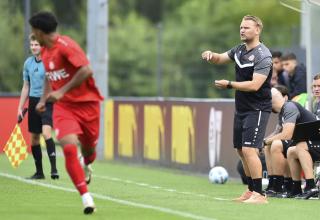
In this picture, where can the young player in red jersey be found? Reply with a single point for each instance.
(70, 85)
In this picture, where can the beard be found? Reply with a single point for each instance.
(246, 40)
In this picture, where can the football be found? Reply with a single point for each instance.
(218, 175)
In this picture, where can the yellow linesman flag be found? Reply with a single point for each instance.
(16, 147)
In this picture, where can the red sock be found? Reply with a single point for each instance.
(74, 168)
(90, 159)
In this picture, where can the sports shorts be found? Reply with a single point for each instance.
(81, 118)
(285, 145)
(37, 120)
(249, 129)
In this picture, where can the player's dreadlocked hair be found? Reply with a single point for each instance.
(44, 21)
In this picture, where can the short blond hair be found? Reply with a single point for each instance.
(256, 19)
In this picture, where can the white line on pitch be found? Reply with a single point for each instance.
(108, 198)
(146, 185)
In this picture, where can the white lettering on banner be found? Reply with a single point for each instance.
(215, 124)
(57, 75)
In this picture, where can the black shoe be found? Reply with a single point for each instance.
(311, 193)
(273, 193)
(266, 191)
(89, 210)
(287, 195)
(54, 176)
(36, 176)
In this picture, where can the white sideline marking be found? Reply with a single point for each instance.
(103, 197)
(146, 185)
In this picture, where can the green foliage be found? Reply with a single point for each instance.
(132, 57)
(12, 35)
(185, 29)
(11, 46)
(190, 27)
(204, 25)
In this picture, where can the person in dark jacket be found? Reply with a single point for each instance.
(297, 75)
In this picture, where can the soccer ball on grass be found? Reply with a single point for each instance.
(218, 175)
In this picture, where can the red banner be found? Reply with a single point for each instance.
(8, 120)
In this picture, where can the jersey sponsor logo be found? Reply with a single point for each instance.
(57, 75)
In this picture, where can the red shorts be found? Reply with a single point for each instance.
(81, 118)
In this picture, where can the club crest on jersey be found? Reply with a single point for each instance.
(51, 65)
(251, 58)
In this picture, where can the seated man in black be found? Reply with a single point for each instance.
(304, 154)
(290, 113)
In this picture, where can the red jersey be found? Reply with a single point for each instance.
(61, 62)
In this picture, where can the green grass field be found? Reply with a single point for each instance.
(127, 191)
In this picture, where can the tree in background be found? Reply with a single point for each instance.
(11, 46)
(132, 57)
(199, 25)
(12, 34)
(188, 28)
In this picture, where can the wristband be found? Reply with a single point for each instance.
(229, 86)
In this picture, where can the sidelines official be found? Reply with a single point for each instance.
(33, 79)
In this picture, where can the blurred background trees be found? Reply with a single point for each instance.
(149, 39)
